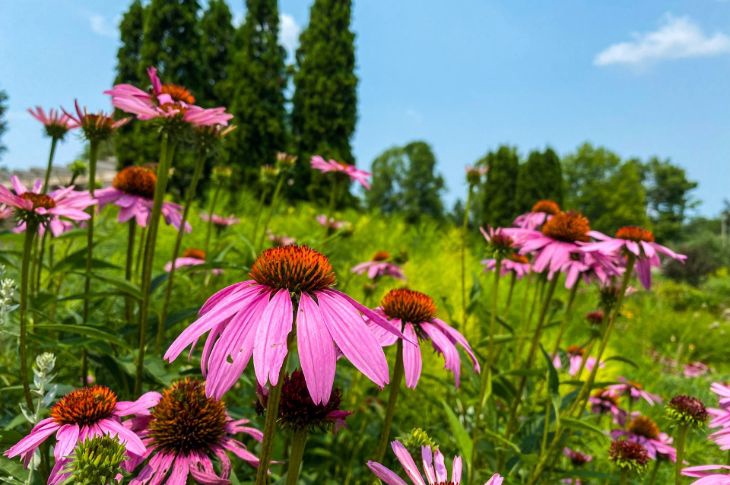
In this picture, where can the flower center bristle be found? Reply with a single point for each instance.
(295, 268)
(628, 451)
(689, 406)
(185, 420)
(501, 241)
(39, 200)
(297, 410)
(567, 227)
(381, 256)
(635, 233)
(194, 253)
(575, 350)
(408, 305)
(518, 258)
(546, 207)
(178, 93)
(84, 406)
(644, 426)
(135, 180)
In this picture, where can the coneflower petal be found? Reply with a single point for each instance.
(317, 354)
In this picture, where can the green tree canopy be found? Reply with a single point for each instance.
(495, 203)
(668, 193)
(216, 42)
(540, 177)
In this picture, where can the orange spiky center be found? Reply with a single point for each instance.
(635, 233)
(546, 207)
(136, 180)
(575, 350)
(295, 268)
(501, 241)
(644, 426)
(194, 253)
(567, 227)
(622, 451)
(381, 256)
(518, 258)
(39, 200)
(178, 93)
(409, 305)
(603, 395)
(85, 406)
(185, 420)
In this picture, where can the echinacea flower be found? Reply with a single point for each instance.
(45, 210)
(332, 225)
(687, 411)
(94, 460)
(604, 401)
(185, 433)
(721, 416)
(577, 458)
(638, 242)
(190, 257)
(513, 263)
(281, 239)
(219, 222)
(82, 414)
(628, 455)
(695, 369)
(56, 123)
(414, 313)
(355, 174)
(634, 391)
(540, 213)
(165, 101)
(255, 317)
(707, 474)
(433, 467)
(133, 191)
(474, 174)
(644, 431)
(97, 126)
(379, 266)
(575, 355)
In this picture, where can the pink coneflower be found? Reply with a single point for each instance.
(254, 318)
(575, 355)
(414, 313)
(634, 391)
(433, 468)
(133, 190)
(379, 266)
(95, 126)
(707, 475)
(644, 431)
(355, 174)
(640, 243)
(45, 210)
(541, 212)
(577, 458)
(591, 267)
(513, 263)
(604, 401)
(331, 224)
(184, 435)
(220, 222)
(55, 122)
(5, 212)
(81, 414)
(190, 257)
(721, 416)
(695, 369)
(165, 101)
(281, 240)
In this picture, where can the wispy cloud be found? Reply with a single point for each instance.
(102, 26)
(289, 33)
(676, 38)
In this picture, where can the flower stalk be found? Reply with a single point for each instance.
(464, 227)
(211, 211)
(54, 142)
(128, 267)
(680, 446)
(30, 230)
(296, 454)
(395, 383)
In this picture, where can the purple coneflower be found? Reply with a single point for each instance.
(707, 475)
(190, 257)
(95, 126)
(540, 213)
(355, 174)
(433, 467)
(30, 205)
(695, 369)
(577, 458)
(133, 190)
(638, 242)
(379, 266)
(219, 222)
(634, 391)
(513, 263)
(184, 434)
(281, 240)
(575, 355)
(628, 455)
(604, 401)
(57, 123)
(644, 431)
(165, 101)
(414, 313)
(81, 414)
(330, 223)
(254, 318)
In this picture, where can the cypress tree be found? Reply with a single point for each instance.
(496, 204)
(540, 177)
(324, 111)
(216, 42)
(256, 83)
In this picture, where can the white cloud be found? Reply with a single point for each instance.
(676, 38)
(288, 33)
(100, 25)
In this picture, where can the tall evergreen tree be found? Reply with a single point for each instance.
(540, 177)
(324, 111)
(495, 203)
(3, 120)
(256, 83)
(128, 141)
(668, 196)
(216, 45)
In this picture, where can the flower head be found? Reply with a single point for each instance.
(185, 432)
(190, 257)
(254, 318)
(281, 239)
(687, 411)
(695, 369)
(433, 467)
(634, 391)
(220, 222)
(96, 460)
(379, 266)
(97, 126)
(604, 401)
(414, 313)
(513, 263)
(595, 317)
(644, 431)
(628, 455)
(331, 224)
(56, 122)
(575, 355)
(542, 211)
(499, 242)
(474, 174)
(576, 457)
(355, 174)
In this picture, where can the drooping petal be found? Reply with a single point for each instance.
(385, 474)
(270, 346)
(406, 460)
(317, 354)
(412, 362)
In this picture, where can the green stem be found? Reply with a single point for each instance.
(296, 453)
(512, 282)
(566, 317)
(129, 310)
(623, 478)
(681, 442)
(140, 252)
(392, 399)
(272, 209)
(163, 171)
(54, 142)
(259, 211)
(213, 203)
(30, 230)
(39, 263)
(654, 471)
(189, 196)
(93, 151)
(464, 227)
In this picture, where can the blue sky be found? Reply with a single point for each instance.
(641, 78)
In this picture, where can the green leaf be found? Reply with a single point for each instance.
(90, 331)
(553, 383)
(121, 284)
(583, 425)
(460, 434)
(623, 359)
(500, 439)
